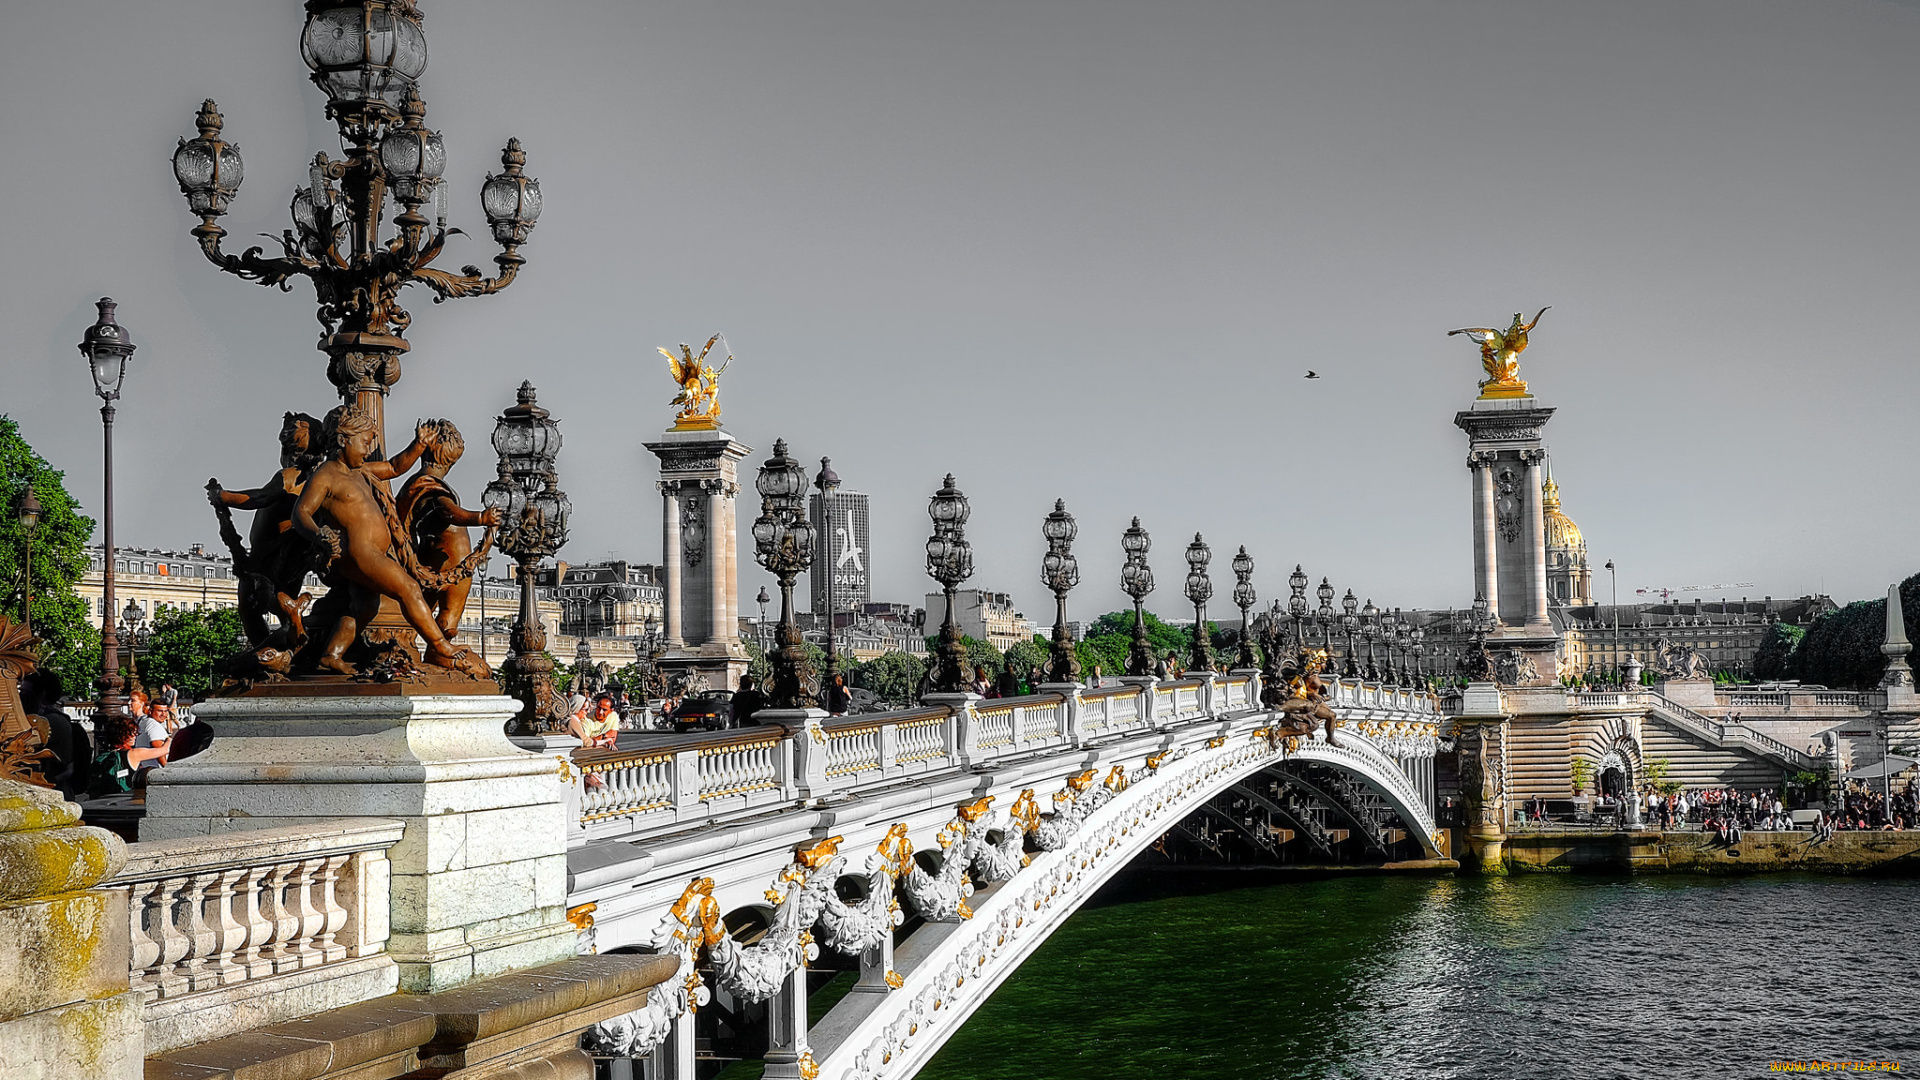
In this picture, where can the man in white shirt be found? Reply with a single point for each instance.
(153, 734)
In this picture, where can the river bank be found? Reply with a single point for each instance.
(1651, 850)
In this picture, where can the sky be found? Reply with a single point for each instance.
(1080, 250)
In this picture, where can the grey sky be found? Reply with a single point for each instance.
(1082, 250)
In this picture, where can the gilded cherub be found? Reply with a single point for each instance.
(1500, 349)
(699, 397)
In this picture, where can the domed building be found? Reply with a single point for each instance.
(1569, 580)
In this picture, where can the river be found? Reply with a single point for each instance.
(1534, 976)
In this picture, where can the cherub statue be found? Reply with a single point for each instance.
(699, 397)
(269, 575)
(1500, 350)
(437, 524)
(357, 536)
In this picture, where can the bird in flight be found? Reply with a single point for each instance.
(1313, 374)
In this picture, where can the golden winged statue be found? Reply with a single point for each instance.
(699, 397)
(1500, 354)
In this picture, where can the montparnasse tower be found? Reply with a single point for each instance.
(1569, 580)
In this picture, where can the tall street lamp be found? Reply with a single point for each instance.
(1324, 616)
(1419, 655)
(760, 630)
(949, 562)
(1403, 637)
(107, 347)
(367, 56)
(533, 525)
(1350, 623)
(29, 517)
(1479, 666)
(783, 544)
(1244, 598)
(1199, 591)
(1060, 572)
(1136, 579)
(1615, 576)
(1370, 633)
(828, 482)
(135, 634)
(1297, 607)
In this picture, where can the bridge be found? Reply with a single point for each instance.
(958, 836)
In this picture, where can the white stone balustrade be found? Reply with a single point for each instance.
(251, 927)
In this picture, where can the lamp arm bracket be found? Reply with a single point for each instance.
(466, 283)
(250, 265)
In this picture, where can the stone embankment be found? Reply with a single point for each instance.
(1694, 852)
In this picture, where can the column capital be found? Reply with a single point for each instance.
(1481, 459)
(670, 487)
(1534, 456)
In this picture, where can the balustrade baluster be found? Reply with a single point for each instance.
(230, 930)
(334, 915)
(308, 918)
(259, 926)
(193, 938)
(152, 918)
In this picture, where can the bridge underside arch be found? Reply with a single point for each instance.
(949, 969)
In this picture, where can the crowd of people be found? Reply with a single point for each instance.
(1866, 807)
(106, 755)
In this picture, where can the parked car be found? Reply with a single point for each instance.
(709, 710)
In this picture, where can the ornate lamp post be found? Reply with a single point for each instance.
(1060, 572)
(1370, 632)
(1419, 656)
(1324, 616)
(647, 650)
(1403, 638)
(107, 346)
(533, 525)
(949, 562)
(783, 544)
(1350, 622)
(1244, 598)
(136, 634)
(828, 482)
(1297, 607)
(1479, 666)
(1199, 591)
(29, 517)
(760, 629)
(1136, 579)
(367, 56)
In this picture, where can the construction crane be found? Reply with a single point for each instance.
(1666, 594)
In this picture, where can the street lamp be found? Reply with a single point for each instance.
(1199, 591)
(783, 544)
(760, 631)
(1419, 656)
(949, 562)
(1479, 666)
(1244, 598)
(136, 635)
(29, 517)
(1136, 580)
(1060, 572)
(1370, 632)
(1297, 607)
(1403, 638)
(107, 347)
(1615, 576)
(828, 481)
(1324, 616)
(367, 56)
(533, 525)
(1350, 622)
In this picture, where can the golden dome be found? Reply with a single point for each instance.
(1561, 531)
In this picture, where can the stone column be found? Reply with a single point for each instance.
(719, 586)
(1536, 543)
(788, 1054)
(670, 558)
(1486, 579)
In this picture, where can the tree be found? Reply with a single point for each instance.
(70, 643)
(1771, 660)
(976, 653)
(187, 645)
(1842, 649)
(1030, 657)
(894, 678)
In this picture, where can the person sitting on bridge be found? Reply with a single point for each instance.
(117, 762)
(836, 697)
(747, 701)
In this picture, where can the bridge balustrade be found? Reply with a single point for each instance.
(238, 929)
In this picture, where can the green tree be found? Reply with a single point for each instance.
(1771, 660)
(894, 677)
(978, 654)
(1030, 657)
(1842, 649)
(187, 647)
(70, 642)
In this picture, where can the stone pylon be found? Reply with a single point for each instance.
(1507, 459)
(699, 483)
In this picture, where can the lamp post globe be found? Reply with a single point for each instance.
(1199, 591)
(783, 545)
(1244, 598)
(949, 562)
(533, 513)
(107, 346)
(1060, 572)
(1136, 580)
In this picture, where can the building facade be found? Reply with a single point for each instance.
(609, 599)
(984, 615)
(847, 533)
(152, 578)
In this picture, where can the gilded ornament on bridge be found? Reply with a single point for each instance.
(1500, 355)
(699, 397)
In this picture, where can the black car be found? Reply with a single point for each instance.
(709, 710)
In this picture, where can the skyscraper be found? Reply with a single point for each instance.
(847, 533)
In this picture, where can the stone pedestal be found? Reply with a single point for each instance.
(65, 1010)
(1693, 693)
(478, 878)
(699, 482)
